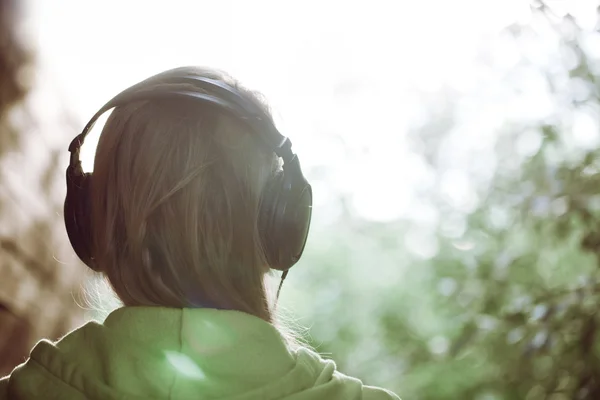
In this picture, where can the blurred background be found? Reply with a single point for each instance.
(453, 151)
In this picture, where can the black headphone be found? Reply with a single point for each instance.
(286, 203)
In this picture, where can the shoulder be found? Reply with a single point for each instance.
(4, 387)
(375, 393)
(327, 372)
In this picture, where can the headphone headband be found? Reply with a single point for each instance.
(228, 99)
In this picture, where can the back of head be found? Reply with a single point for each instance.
(176, 197)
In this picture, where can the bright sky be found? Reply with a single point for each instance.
(340, 75)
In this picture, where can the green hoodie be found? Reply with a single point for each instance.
(160, 353)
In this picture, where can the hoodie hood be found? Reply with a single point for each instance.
(162, 353)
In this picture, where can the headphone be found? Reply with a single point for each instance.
(286, 202)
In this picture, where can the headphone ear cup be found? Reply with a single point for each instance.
(286, 214)
(267, 219)
(77, 214)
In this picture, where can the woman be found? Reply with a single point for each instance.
(194, 198)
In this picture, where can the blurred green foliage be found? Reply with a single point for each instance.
(503, 303)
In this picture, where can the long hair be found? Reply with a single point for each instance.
(176, 192)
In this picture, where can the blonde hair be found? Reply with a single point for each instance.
(176, 195)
